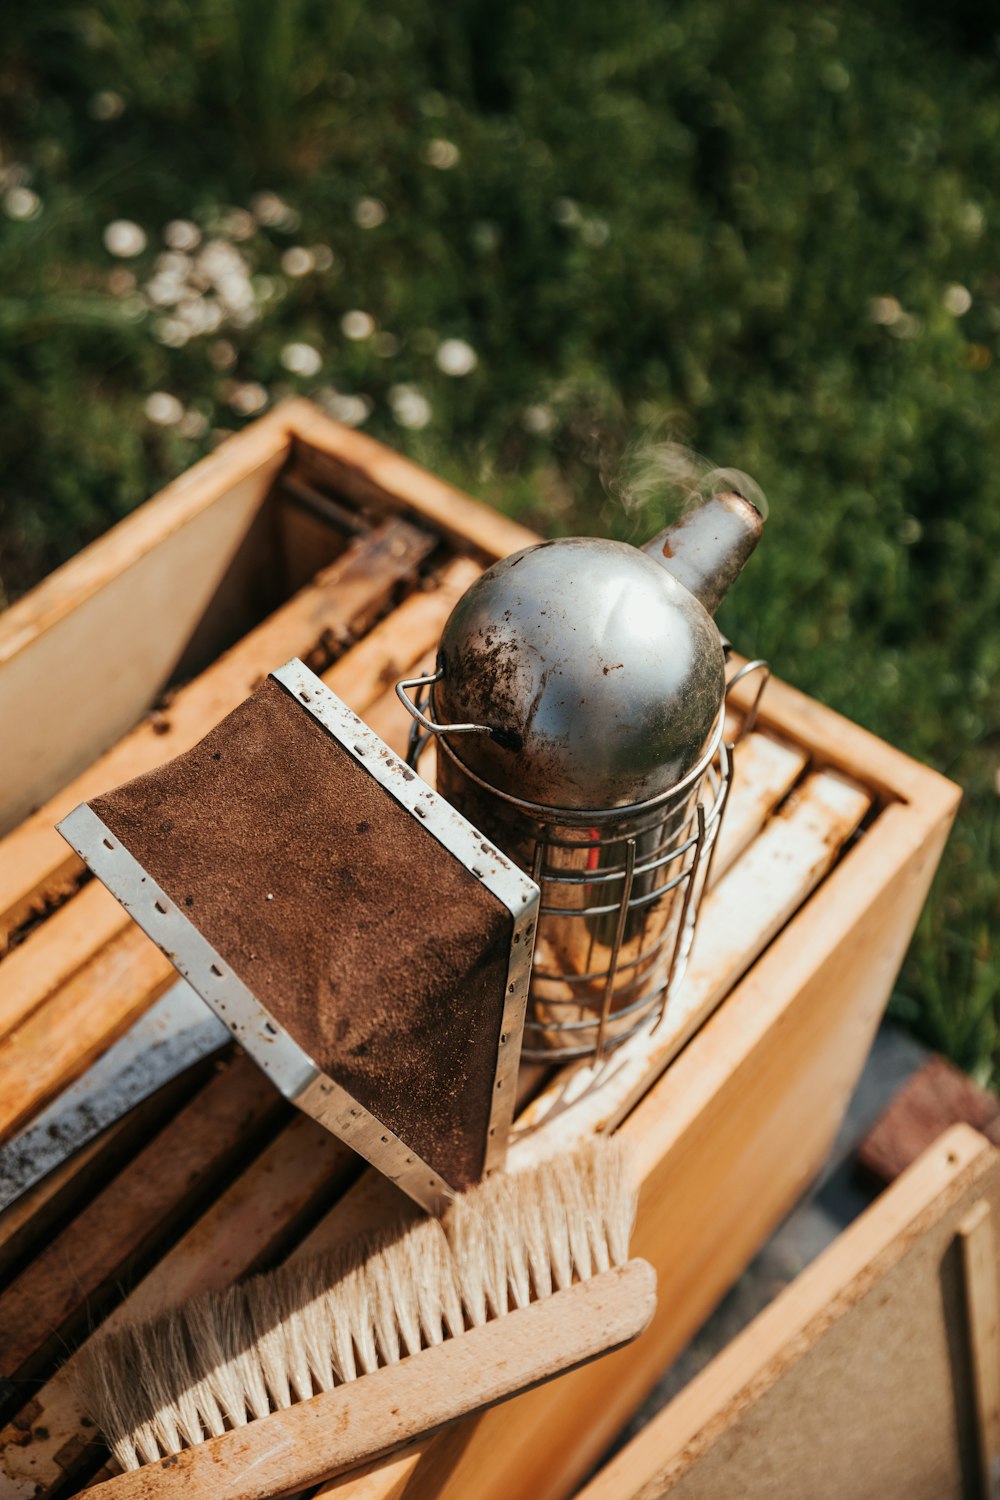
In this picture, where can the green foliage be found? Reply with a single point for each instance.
(756, 228)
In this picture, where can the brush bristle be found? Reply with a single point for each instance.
(227, 1358)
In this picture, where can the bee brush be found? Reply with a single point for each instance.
(300, 1374)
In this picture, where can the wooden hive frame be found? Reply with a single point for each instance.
(831, 841)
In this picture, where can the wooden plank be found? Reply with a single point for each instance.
(251, 1224)
(55, 951)
(370, 1205)
(388, 717)
(306, 543)
(764, 771)
(739, 917)
(82, 1020)
(831, 740)
(41, 1311)
(343, 600)
(848, 1383)
(372, 667)
(368, 473)
(979, 1262)
(27, 1224)
(938, 1095)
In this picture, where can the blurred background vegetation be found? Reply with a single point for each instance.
(517, 240)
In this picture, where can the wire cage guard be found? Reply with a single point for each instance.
(620, 886)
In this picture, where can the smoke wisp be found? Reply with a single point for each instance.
(673, 477)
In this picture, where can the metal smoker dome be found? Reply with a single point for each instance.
(577, 708)
(599, 675)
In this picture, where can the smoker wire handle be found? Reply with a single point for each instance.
(747, 670)
(429, 724)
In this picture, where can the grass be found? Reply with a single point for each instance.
(765, 230)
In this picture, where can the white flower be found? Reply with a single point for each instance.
(267, 288)
(885, 310)
(906, 326)
(21, 203)
(972, 218)
(957, 299)
(237, 224)
(323, 257)
(173, 263)
(211, 315)
(456, 357)
(351, 410)
(199, 314)
(220, 258)
(247, 397)
(172, 332)
(298, 261)
(357, 325)
(441, 154)
(107, 105)
(409, 407)
(369, 213)
(222, 354)
(182, 234)
(301, 359)
(124, 239)
(15, 175)
(244, 317)
(192, 424)
(164, 291)
(538, 419)
(595, 232)
(235, 291)
(566, 211)
(163, 409)
(268, 208)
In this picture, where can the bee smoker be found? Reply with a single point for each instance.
(578, 712)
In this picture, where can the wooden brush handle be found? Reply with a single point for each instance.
(333, 1432)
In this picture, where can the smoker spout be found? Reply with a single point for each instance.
(706, 549)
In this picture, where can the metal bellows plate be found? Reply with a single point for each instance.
(360, 939)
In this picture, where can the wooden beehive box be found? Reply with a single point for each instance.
(300, 537)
